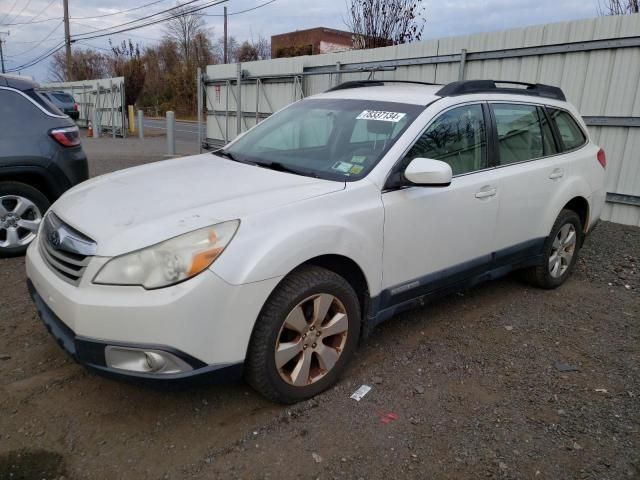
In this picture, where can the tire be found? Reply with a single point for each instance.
(287, 323)
(546, 275)
(21, 206)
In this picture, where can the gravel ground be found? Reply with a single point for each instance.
(501, 381)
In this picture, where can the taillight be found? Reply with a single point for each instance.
(67, 137)
(602, 158)
(75, 107)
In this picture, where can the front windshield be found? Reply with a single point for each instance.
(335, 139)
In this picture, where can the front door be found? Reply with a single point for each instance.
(435, 237)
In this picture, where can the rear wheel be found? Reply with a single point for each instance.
(21, 211)
(560, 252)
(305, 335)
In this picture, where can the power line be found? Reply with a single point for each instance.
(38, 59)
(131, 34)
(23, 9)
(41, 12)
(241, 11)
(119, 12)
(9, 13)
(33, 19)
(38, 44)
(193, 10)
(94, 46)
(143, 18)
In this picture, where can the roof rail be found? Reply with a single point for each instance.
(373, 83)
(492, 86)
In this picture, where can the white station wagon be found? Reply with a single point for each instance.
(275, 255)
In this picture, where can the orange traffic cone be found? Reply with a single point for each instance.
(90, 131)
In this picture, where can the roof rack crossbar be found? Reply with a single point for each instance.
(374, 83)
(492, 86)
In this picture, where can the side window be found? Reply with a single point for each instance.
(457, 137)
(523, 133)
(14, 106)
(571, 134)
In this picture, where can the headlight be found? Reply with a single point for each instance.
(171, 261)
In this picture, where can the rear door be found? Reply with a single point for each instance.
(530, 172)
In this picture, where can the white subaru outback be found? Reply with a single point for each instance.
(275, 255)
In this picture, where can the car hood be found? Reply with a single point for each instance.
(141, 206)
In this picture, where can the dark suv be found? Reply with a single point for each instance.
(65, 102)
(40, 158)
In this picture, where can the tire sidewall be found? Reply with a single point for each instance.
(339, 289)
(563, 219)
(32, 194)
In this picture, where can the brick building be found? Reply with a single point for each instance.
(310, 42)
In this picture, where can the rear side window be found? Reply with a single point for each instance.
(43, 101)
(570, 132)
(523, 133)
(457, 137)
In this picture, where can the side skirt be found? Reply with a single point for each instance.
(420, 291)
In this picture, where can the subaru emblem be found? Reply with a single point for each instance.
(54, 239)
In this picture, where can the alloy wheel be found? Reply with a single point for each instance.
(562, 250)
(311, 339)
(19, 221)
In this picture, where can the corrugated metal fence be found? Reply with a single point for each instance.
(105, 97)
(595, 61)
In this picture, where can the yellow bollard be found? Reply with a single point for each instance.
(132, 119)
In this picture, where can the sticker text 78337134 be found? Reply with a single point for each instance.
(381, 116)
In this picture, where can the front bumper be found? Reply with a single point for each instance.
(91, 353)
(205, 321)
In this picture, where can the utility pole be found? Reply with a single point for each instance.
(67, 39)
(226, 55)
(1, 52)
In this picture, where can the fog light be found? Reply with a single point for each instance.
(144, 361)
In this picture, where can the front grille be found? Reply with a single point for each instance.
(65, 250)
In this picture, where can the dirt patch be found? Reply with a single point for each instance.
(31, 464)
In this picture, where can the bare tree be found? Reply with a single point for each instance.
(618, 7)
(378, 23)
(263, 48)
(232, 49)
(183, 28)
(86, 64)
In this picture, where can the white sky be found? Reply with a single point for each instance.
(444, 18)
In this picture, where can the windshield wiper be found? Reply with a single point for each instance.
(231, 156)
(281, 167)
(225, 154)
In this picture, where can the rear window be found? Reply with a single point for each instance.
(43, 101)
(63, 97)
(571, 134)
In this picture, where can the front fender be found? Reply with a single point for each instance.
(347, 223)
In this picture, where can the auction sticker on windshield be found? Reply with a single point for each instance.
(381, 116)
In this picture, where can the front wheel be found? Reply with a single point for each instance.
(560, 252)
(21, 211)
(304, 337)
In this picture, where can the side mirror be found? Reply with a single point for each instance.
(428, 172)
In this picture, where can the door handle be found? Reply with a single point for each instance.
(486, 192)
(557, 173)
